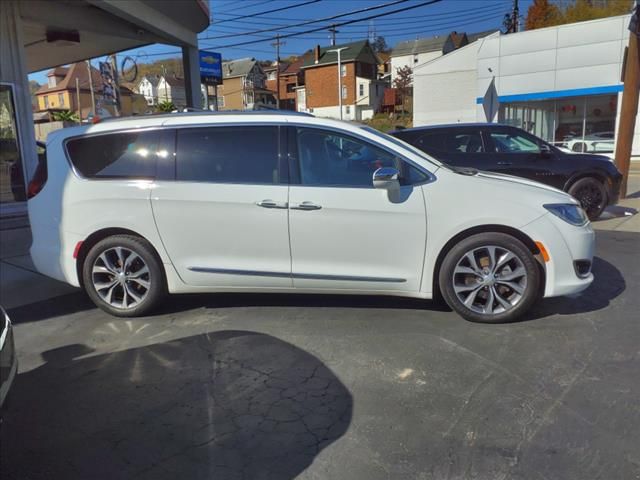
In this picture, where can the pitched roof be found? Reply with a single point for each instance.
(282, 67)
(294, 67)
(475, 36)
(58, 72)
(419, 45)
(152, 79)
(174, 81)
(75, 70)
(354, 51)
(237, 68)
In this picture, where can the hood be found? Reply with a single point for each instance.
(505, 178)
(591, 157)
(526, 197)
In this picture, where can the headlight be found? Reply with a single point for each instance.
(569, 212)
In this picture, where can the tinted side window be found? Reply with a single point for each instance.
(229, 155)
(118, 155)
(463, 142)
(331, 159)
(431, 142)
(513, 142)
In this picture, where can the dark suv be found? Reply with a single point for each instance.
(592, 179)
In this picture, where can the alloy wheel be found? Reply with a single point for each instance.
(489, 280)
(590, 197)
(121, 277)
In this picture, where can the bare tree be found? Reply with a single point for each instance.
(403, 83)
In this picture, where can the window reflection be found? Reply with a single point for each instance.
(579, 124)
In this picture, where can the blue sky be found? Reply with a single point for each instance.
(426, 21)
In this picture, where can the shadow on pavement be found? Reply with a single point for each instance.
(230, 404)
(51, 308)
(178, 303)
(608, 283)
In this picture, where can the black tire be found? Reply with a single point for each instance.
(151, 295)
(579, 147)
(523, 258)
(591, 194)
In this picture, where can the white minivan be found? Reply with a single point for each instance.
(132, 209)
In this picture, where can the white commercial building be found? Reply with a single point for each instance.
(561, 83)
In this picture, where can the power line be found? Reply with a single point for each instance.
(385, 28)
(353, 12)
(438, 25)
(282, 21)
(347, 22)
(288, 7)
(243, 7)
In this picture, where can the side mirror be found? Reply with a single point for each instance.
(386, 178)
(545, 150)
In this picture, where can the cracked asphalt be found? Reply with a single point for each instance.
(329, 387)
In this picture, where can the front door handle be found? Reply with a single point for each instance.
(504, 163)
(306, 206)
(271, 204)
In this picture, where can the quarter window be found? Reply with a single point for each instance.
(118, 155)
(229, 155)
(332, 159)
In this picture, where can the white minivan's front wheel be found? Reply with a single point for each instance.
(123, 276)
(490, 278)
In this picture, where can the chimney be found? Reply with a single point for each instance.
(316, 52)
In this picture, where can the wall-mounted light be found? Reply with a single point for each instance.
(63, 39)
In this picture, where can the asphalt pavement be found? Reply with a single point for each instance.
(331, 387)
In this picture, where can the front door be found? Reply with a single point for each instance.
(518, 153)
(223, 220)
(344, 233)
(458, 146)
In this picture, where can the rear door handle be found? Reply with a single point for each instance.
(504, 163)
(306, 206)
(271, 204)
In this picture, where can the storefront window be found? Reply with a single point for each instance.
(11, 174)
(581, 124)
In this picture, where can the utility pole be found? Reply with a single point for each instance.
(277, 44)
(515, 17)
(338, 51)
(93, 98)
(333, 31)
(629, 107)
(78, 100)
(116, 85)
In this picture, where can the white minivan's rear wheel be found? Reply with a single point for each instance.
(123, 276)
(490, 278)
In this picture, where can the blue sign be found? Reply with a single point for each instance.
(210, 68)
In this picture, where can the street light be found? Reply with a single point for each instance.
(338, 50)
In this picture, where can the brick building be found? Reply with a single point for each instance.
(361, 93)
(291, 77)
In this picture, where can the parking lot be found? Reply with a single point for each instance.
(331, 387)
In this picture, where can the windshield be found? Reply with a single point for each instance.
(404, 145)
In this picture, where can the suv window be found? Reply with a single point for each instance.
(117, 155)
(332, 159)
(513, 142)
(242, 154)
(450, 141)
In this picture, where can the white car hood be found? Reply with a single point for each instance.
(520, 180)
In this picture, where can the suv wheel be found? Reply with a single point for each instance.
(123, 276)
(490, 278)
(591, 194)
